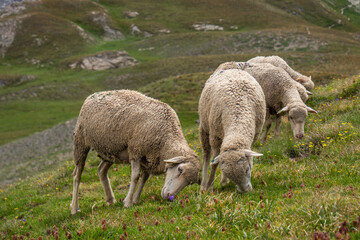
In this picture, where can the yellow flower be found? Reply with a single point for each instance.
(57, 188)
(328, 138)
(48, 195)
(310, 146)
(5, 199)
(16, 208)
(1, 190)
(324, 145)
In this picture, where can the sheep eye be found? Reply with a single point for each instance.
(180, 170)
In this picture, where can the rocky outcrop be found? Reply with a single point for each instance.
(7, 33)
(103, 20)
(207, 27)
(130, 14)
(5, 3)
(105, 60)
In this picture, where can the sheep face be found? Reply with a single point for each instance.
(297, 117)
(236, 165)
(179, 174)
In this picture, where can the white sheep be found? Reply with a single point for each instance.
(232, 113)
(304, 94)
(282, 95)
(127, 127)
(279, 62)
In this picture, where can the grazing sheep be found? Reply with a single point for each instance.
(304, 94)
(282, 95)
(232, 112)
(279, 62)
(127, 127)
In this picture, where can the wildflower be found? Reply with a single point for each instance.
(171, 198)
(324, 145)
(157, 222)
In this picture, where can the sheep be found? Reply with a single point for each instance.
(281, 94)
(279, 62)
(232, 112)
(125, 126)
(304, 94)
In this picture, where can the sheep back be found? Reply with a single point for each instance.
(113, 121)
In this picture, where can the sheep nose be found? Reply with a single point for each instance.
(299, 136)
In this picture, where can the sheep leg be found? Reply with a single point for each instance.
(144, 178)
(135, 174)
(103, 169)
(213, 171)
(80, 154)
(277, 128)
(206, 158)
(267, 126)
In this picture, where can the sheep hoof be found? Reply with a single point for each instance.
(111, 201)
(127, 203)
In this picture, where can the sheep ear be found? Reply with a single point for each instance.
(284, 109)
(250, 153)
(215, 160)
(308, 92)
(311, 110)
(175, 160)
(300, 80)
(310, 78)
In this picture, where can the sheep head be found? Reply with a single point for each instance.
(180, 172)
(297, 114)
(306, 82)
(236, 165)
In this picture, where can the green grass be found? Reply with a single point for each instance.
(20, 119)
(299, 188)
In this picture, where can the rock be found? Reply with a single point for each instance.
(5, 3)
(7, 33)
(207, 27)
(234, 27)
(136, 31)
(12, 9)
(83, 34)
(130, 14)
(164, 30)
(109, 33)
(105, 60)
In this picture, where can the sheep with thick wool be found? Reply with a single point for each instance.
(127, 127)
(232, 112)
(281, 94)
(279, 62)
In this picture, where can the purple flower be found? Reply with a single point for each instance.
(337, 99)
(171, 198)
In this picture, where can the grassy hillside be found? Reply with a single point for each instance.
(301, 188)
